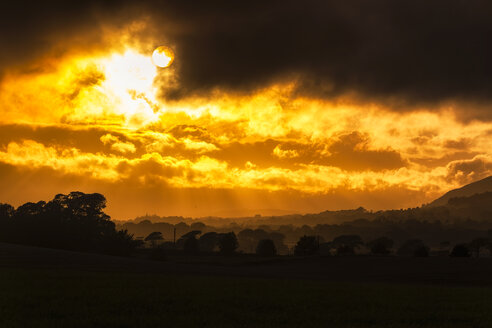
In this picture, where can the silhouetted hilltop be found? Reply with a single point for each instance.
(471, 189)
(476, 207)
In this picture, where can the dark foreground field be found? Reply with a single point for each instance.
(47, 288)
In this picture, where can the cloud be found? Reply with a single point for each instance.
(117, 145)
(281, 153)
(152, 171)
(201, 172)
(190, 131)
(466, 171)
(87, 78)
(349, 151)
(264, 98)
(352, 152)
(88, 139)
(459, 144)
(407, 54)
(130, 198)
(35, 34)
(404, 53)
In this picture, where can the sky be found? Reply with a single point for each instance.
(268, 107)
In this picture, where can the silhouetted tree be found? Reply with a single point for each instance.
(75, 221)
(381, 246)
(247, 240)
(208, 242)
(413, 247)
(182, 240)
(444, 244)
(228, 243)
(278, 240)
(477, 244)
(460, 250)
(6, 211)
(325, 249)
(120, 242)
(197, 226)
(191, 245)
(345, 250)
(307, 245)
(181, 228)
(422, 251)
(266, 247)
(346, 244)
(154, 238)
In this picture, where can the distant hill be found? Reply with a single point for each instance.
(326, 217)
(242, 213)
(477, 187)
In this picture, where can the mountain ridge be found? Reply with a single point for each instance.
(476, 187)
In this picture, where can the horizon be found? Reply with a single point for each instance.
(234, 214)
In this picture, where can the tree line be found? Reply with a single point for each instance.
(345, 245)
(460, 221)
(75, 222)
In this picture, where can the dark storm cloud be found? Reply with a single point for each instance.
(412, 51)
(403, 52)
(30, 30)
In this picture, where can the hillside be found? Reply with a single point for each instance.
(477, 187)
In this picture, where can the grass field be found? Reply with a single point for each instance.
(75, 298)
(42, 287)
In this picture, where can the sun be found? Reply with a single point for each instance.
(163, 56)
(125, 90)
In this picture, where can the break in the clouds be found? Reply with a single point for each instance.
(280, 104)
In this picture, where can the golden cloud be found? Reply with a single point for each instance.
(99, 116)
